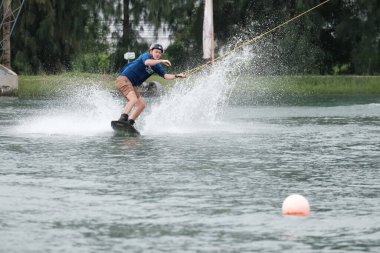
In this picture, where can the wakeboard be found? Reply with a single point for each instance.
(124, 127)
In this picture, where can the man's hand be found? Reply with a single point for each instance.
(180, 75)
(166, 62)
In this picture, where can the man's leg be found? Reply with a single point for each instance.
(132, 100)
(140, 105)
(125, 87)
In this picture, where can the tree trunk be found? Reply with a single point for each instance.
(7, 34)
(126, 23)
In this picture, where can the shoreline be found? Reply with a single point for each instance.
(297, 85)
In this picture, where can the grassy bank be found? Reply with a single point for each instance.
(259, 86)
(46, 85)
(313, 85)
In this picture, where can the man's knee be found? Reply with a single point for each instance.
(132, 98)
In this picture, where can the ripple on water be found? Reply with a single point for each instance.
(196, 191)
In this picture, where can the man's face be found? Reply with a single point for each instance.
(156, 53)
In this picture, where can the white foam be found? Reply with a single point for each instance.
(194, 105)
(84, 111)
(197, 104)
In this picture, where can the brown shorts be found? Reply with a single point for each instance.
(125, 86)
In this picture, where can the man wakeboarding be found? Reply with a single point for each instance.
(133, 74)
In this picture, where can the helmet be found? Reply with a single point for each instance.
(157, 46)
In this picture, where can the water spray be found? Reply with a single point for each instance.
(250, 41)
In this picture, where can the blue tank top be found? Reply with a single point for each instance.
(137, 72)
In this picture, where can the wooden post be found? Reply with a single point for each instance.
(7, 34)
(208, 31)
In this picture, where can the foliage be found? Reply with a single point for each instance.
(51, 33)
(341, 37)
(92, 63)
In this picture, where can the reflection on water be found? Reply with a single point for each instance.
(218, 187)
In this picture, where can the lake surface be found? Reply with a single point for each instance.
(69, 184)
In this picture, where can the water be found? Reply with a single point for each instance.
(208, 174)
(68, 184)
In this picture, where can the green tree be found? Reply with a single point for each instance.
(340, 37)
(366, 36)
(51, 33)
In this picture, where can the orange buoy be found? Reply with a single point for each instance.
(295, 205)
